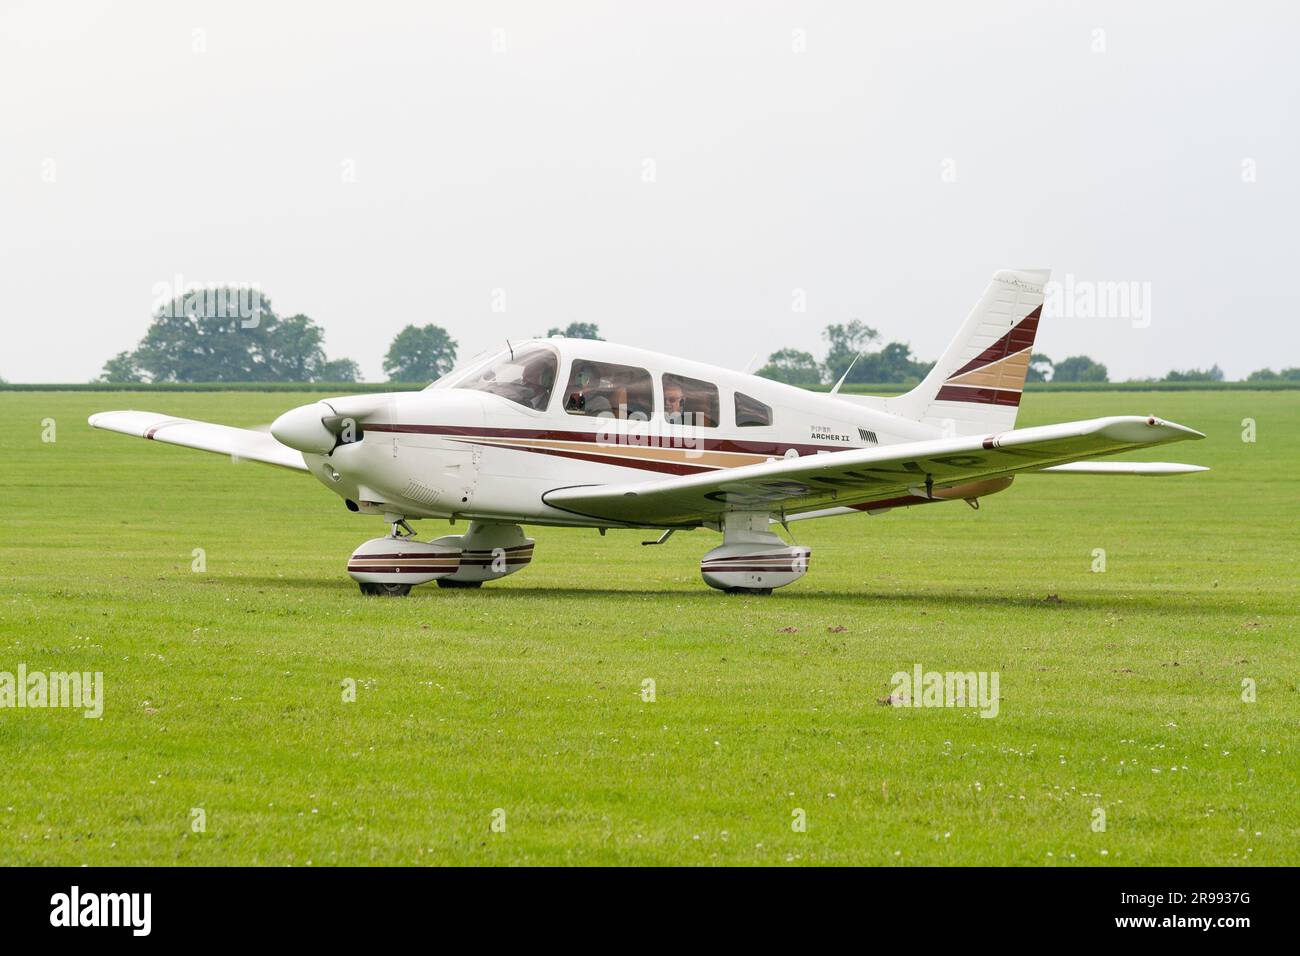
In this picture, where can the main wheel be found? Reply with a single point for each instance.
(760, 591)
(385, 590)
(449, 583)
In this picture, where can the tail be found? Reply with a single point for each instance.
(976, 384)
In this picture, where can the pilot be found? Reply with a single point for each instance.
(537, 379)
(673, 412)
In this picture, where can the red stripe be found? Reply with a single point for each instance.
(975, 395)
(407, 554)
(773, 556)
(770, 449)
(417, 569)
(757, 567)
(1018, 339)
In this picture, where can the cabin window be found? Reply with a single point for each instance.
(602, 390)
(526, 376)
(750, 412)
(689, 401)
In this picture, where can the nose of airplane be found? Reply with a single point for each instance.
(301, 428)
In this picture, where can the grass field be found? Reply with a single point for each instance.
(224, 689)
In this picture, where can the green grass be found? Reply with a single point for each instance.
(223, 688)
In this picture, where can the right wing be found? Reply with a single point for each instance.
(223, 439)
(861, 476)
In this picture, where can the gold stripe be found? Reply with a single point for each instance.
(691, 456)
(1006, 373)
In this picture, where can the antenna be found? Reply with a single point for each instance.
(512, 350)
(836, 387)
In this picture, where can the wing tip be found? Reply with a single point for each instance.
(1181, 430)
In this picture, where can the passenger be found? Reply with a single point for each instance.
(590, 399)
(673, 397)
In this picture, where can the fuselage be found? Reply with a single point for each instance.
(489, 440)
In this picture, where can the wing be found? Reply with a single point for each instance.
(861, 476)
(223, 439)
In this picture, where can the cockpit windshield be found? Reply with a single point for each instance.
(525, 376)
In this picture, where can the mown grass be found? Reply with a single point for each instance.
(223, 688)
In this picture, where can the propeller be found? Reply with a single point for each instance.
(321, 427)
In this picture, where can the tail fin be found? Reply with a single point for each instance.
(976, 384)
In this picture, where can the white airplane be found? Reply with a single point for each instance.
(639, 439)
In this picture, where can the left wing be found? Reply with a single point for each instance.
(860, 476)
(205, 436)
(1146, 468)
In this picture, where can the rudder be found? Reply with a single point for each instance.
(976, 385)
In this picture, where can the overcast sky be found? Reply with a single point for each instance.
(684, 174)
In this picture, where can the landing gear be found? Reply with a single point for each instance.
(391, 566)
(385, 590)
(488, 552)
(751, 559)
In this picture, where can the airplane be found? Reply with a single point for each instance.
(583, 433)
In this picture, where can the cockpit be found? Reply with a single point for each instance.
(525, 375)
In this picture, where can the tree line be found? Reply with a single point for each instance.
(198, 337)
(855, 347)
(223, 335)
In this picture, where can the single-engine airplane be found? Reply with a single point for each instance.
(589, 434)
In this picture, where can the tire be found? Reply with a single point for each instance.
(385, 590)
(449, 583)
(763, 592)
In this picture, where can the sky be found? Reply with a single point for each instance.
(716, 180)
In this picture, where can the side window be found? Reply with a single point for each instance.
(688, 401)
(599, 389)
(750, 411)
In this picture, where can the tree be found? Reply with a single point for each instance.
(578, 330)
(223, 335)
(198, 338)
(844, 343)
(1040, 368)
(1079, 368)
(792, 367)
(293, 349)
(1214, 374)
(893, 363)
(338, 370)
(420, 354)
(122, 367)
(1268, 375)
